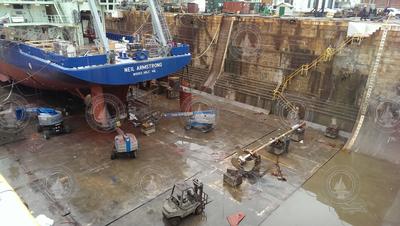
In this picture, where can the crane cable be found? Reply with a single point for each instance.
(9, 94)
(212, 41)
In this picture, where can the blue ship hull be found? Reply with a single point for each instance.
(34, 67)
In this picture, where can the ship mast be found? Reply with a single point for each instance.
(160, 27)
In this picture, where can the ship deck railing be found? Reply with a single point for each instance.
(31, 1)
(68, 62)
(49, 19)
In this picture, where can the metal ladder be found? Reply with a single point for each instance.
(163, 21)
(327, 55)
(60, 12)
(370, 86)
(160, 26)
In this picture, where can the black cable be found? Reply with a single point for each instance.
(29, 76)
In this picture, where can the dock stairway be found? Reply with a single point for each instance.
(326, 56)
(264, 92)
(217, 66)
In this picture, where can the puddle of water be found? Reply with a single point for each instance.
(304, 209)
(201, 152)
(351, 189)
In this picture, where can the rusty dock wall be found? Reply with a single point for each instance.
(263, 50)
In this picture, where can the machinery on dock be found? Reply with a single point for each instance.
(248, 160)
(280, 146)
(184, 201)
(201, 120)
(125, 145)
(332, 131)
(298, 134)
(50, 121)
(148, 128)
(147, 121)
(63, 46)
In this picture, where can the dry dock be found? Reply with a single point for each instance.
(71, 178)
(73, 175)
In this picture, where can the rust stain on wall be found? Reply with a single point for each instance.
(263, 50)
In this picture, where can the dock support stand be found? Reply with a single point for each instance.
(98, 105)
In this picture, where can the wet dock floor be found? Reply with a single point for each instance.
(71, 179)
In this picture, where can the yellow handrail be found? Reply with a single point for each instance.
(327, 55)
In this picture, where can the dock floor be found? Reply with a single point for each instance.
(71, 178)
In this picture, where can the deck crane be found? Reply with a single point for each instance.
(98, 26)
(160, 27)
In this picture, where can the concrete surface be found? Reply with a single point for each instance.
(71, 179)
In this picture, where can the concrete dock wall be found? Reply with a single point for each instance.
(263, 50)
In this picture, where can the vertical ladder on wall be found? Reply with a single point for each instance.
(370, 86)
(217, 66)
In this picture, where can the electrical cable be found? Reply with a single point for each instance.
(9, 94)
(29, 76)
(212, 41)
